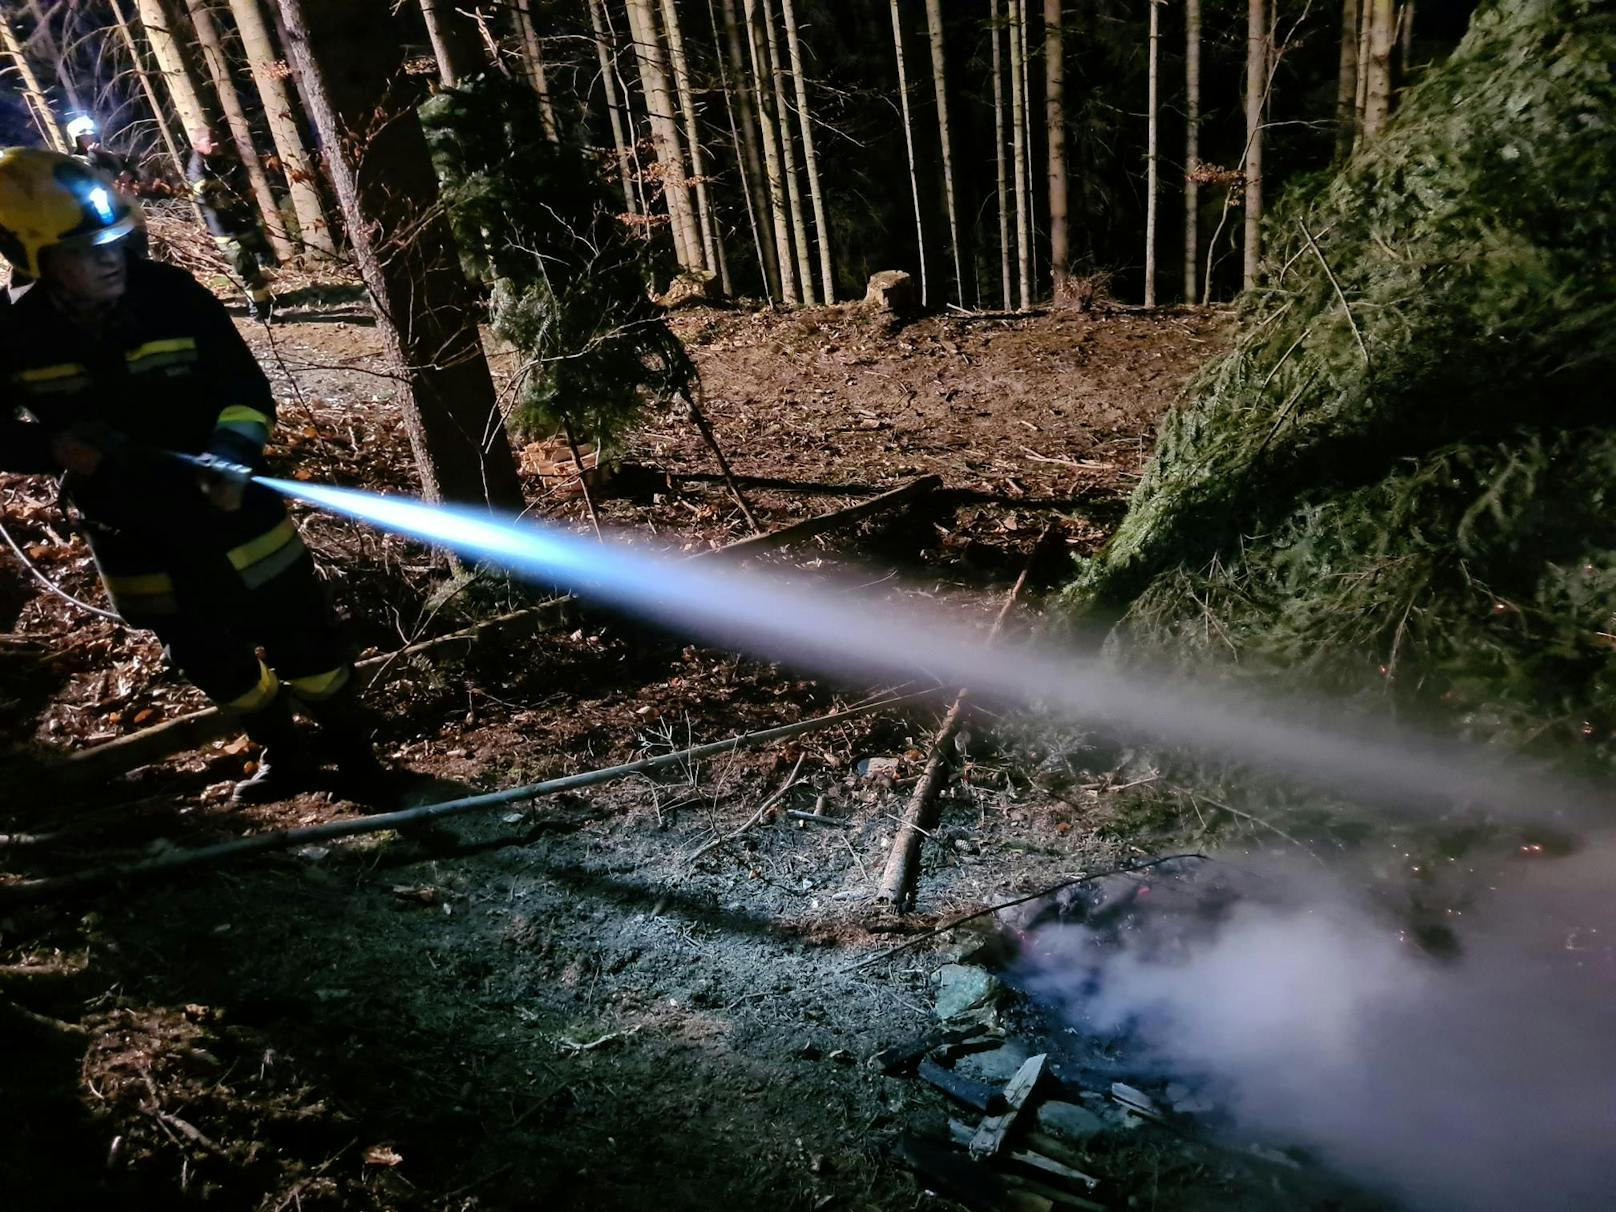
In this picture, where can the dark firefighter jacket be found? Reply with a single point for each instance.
(219, 184)
(169, 372)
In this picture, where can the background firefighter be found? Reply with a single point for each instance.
(110, 362)
(219, 184)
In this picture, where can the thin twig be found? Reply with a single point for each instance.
(755, 818)
(1330, 274)
(583, 476)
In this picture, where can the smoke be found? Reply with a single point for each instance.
(1486, 1080)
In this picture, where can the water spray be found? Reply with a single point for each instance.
(854, 635)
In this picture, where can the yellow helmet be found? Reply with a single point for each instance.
(48, 200)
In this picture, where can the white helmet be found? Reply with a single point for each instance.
(82, 125)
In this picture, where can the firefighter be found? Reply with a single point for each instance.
(87, 146)
(218, 182)
(107, 364)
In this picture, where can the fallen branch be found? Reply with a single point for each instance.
(29, 891)
(199, 727)
(903, 860)
(700, 418)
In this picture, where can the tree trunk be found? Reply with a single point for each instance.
(1364, 7)
(1007, 291)
(642, 24)
(1192, 145)
(49, 129)
(1405, 32)
(827, 274)
(1060, 253)
(1346, 92)
(1018, 140)
(1152, 178)
(711, 249)
(608, 74)
(909, 145)
(939, 79)
(161, 32)
(302, 176)
(1378, 88)
(456, 44)
(1256, 86)
(207, 35)
(742, 154)
(1030, 133)
(138, 66)
(746, 143)
(533, 56)
(771, 159)
(57, 54)
(352, 67)
(788, 157)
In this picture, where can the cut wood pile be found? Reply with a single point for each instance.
(1397, 484)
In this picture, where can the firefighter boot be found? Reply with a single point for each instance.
(345, 742)
(284, 768)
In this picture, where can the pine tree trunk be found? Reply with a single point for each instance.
(745, 154)
(909, 145)
(698, 160)
(1030, 133)
(351, 68)
(1364, 8)
(302, 174)
(614, 110)
(1378, 89)
(771, 159)
(533, 57)
(161, 33)
(207, 36)
(49, 129)
(1405, 32)
(455, 42)
(1256, 86)
(788, 157)
(138, 66)
(642, 24)
(1018, 141)
(827, 274)
(57, 55)
(1346, 92)
(1060, 254)
(1152, 178)
(939, 78)
(1007, 290)
(1192, 145)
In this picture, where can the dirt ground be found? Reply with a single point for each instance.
(624, 999)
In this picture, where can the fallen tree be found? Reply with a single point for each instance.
(1398, 480)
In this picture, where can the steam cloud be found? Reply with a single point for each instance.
(1486, 1081)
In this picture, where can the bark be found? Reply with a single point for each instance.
(1018, 142)
(748, 179)
(1363, 62)
(771, 160)
(49, 129)
(533, 57)
(364, 109)
(711, 248)
(207, 36)
(788, 157)
(1192, 145)
(1405, 32)
(659, 104)
(456, 44)
(746, 144)
(909, 146)
(138, 66)
(827, 274)
(614, 109)
(1378, 87)
(302, 176)
(1256, 86)
(1060, 254)
(163, 33)
(1152, 178)
(939, 79)
(1346, 93)
(1007, 296)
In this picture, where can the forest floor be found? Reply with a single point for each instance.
(625, 999)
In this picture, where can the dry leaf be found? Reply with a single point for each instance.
(382, 1155)
(424, 894)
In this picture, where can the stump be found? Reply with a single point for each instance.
(891, 291)
(690, 287)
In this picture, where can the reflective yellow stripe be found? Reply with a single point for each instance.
(166, 346)
(264, 546)
(260, 695)
(142, 585)
(44, 374)
(237, 413)
(319, 686)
